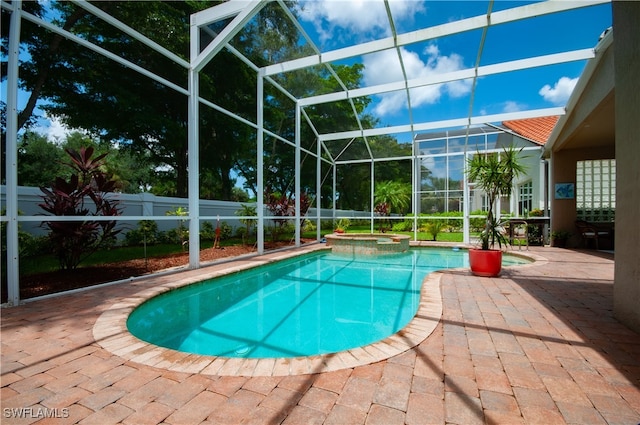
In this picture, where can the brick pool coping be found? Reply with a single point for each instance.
(110, 330)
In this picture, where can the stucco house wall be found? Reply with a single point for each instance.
(626, 288)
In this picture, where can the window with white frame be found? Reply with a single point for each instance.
(525, 198)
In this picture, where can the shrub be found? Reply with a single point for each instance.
(146, 232)
(403, 226)
(181, 233)
(283, 206)
(308, 226)
(250, 223)
(207, 232)
(342, 224)
(84, 194)
(28, 244)
(477, 224)
(433, 227)
(226, 231)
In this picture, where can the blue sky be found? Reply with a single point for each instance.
(333, 24)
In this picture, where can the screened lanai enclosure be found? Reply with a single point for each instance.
(317, 103)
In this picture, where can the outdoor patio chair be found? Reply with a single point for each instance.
(518, 230)
(591, 231)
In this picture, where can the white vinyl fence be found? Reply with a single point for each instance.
(149, 205)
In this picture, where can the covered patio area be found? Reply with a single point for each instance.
(538, 345)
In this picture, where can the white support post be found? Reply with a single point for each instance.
(373, 184)
(260, 162)
(415, 182)
(318, 190)
(194, 153)
(335, 178)
(298, 220)
(13, 270)
(466, 208)
(549, 192)
(498, 205)
(297, 194)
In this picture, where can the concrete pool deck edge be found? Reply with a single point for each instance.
(110, 330)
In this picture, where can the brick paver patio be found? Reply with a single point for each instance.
(537, 345)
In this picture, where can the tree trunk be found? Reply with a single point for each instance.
(43, 73)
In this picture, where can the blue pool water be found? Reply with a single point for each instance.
(315, 304)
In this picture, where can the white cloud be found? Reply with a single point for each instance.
(54, 129)
(512, 106)
(360, 17)
(384, 67)
(560, 92)
(366, 19)
(503, 107)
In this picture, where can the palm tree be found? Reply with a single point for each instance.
(395, 194)
(494, 174)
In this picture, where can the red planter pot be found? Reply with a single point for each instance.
(486, 263)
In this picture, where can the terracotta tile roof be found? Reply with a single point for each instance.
(536, 129)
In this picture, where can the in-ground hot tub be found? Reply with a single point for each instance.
(367, 243)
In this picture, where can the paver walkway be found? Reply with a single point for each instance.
(537, 345)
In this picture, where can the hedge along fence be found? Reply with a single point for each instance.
(149, 205)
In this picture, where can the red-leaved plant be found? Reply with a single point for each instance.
(85, 194)
(383, 210)
(280, 205)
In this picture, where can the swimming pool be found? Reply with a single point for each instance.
(315, 304)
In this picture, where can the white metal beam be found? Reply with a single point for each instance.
(462, 74)
(130, 31)
(244, 15)
(463, 25)
(104, 52)
(434, 125)
(508, 116)
(219, 12)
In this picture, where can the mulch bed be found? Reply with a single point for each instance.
(64, 280)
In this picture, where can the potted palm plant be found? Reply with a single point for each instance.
(342, 225)
(494, 174)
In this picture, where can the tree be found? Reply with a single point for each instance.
(74, 241)
(354, 180)
(279, 161)
(87, 90)
(148, 119)
(39, 160)
(395, 194)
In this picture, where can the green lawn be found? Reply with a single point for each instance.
(422, 236)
